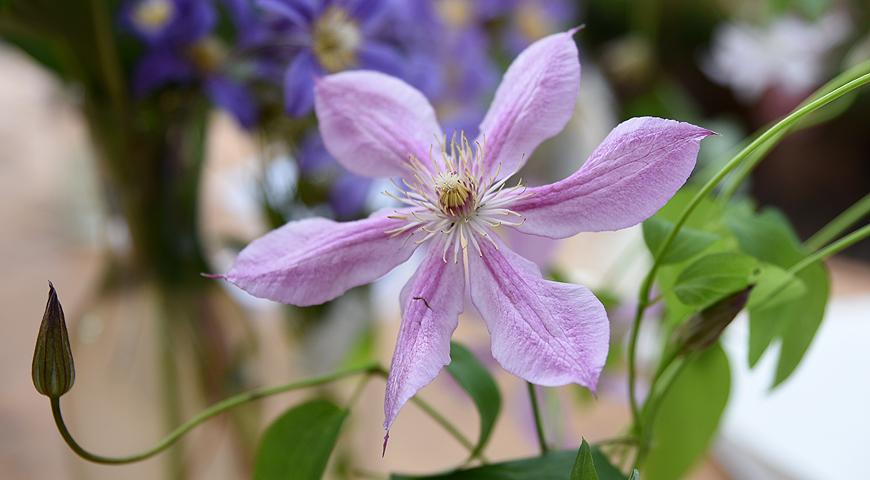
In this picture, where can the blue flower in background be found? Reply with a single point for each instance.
(327, 36)
(179, 48)
(347, 191)
(449, 56)
(452, 45)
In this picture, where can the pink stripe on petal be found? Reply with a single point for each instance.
(630, 176)
(311, 261)
(431, 303)
(370, 122)
(534, 101)
(547, 333)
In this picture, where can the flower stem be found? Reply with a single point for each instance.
(847, 77)
(108, 53)
(843, 221)
(441, 420)
(643, 296)
(539, 424)
(664, 379)
(833, 248)
(202, 416)
(438, 418)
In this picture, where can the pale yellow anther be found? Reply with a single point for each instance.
(452, 191)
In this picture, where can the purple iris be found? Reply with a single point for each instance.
(328, 36)
(457, 199)
(179, 48)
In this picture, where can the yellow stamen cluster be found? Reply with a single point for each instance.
(452, 191)
(337, 38)
(455, 197)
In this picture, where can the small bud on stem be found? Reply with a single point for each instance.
(53, 369)
(702, 329)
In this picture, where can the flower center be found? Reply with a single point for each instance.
(456, 197)
(455, 13)
(209, 54)
(337, 38)
(151, 16)
(452, 191)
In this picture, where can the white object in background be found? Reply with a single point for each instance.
(816, 424)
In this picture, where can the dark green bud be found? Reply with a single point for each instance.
(53, 369)
(701, 330)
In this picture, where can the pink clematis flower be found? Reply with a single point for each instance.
(547, 333)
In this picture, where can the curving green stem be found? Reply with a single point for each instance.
(831, 249)
(838, 225)
(731, 184)
(202, 416)
(643, 296)
(439, 419)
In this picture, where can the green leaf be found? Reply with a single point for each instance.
(584, 466)
(478, 383)
(606, 471)
(775, 286)
(635, 475)
(688, 415)
(553, 466)
(705, 215)
(298, 444)
(768, 236)
(688, 242)
(714, 276)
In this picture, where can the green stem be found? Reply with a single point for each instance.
(847, 77)
(838, 225)
(833, 248)
(663, 383)
(438, 418)
(441, 420)
(539, 424)
(202, 416)
(108, 53)
(643, 296)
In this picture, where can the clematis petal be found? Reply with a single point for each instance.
(311, 261)
(547, 333)
(534, 101)
(371, 122)
(633, 173)
(431, 303)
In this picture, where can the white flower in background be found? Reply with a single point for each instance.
(789, 53)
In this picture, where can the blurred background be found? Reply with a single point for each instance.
(144, 142)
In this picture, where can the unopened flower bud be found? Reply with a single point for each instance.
(53, 369)
(701, 330)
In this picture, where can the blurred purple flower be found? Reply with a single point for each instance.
(328, 36)
(180, 49)
(347, 191)
(450, 59)
(529, 20)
